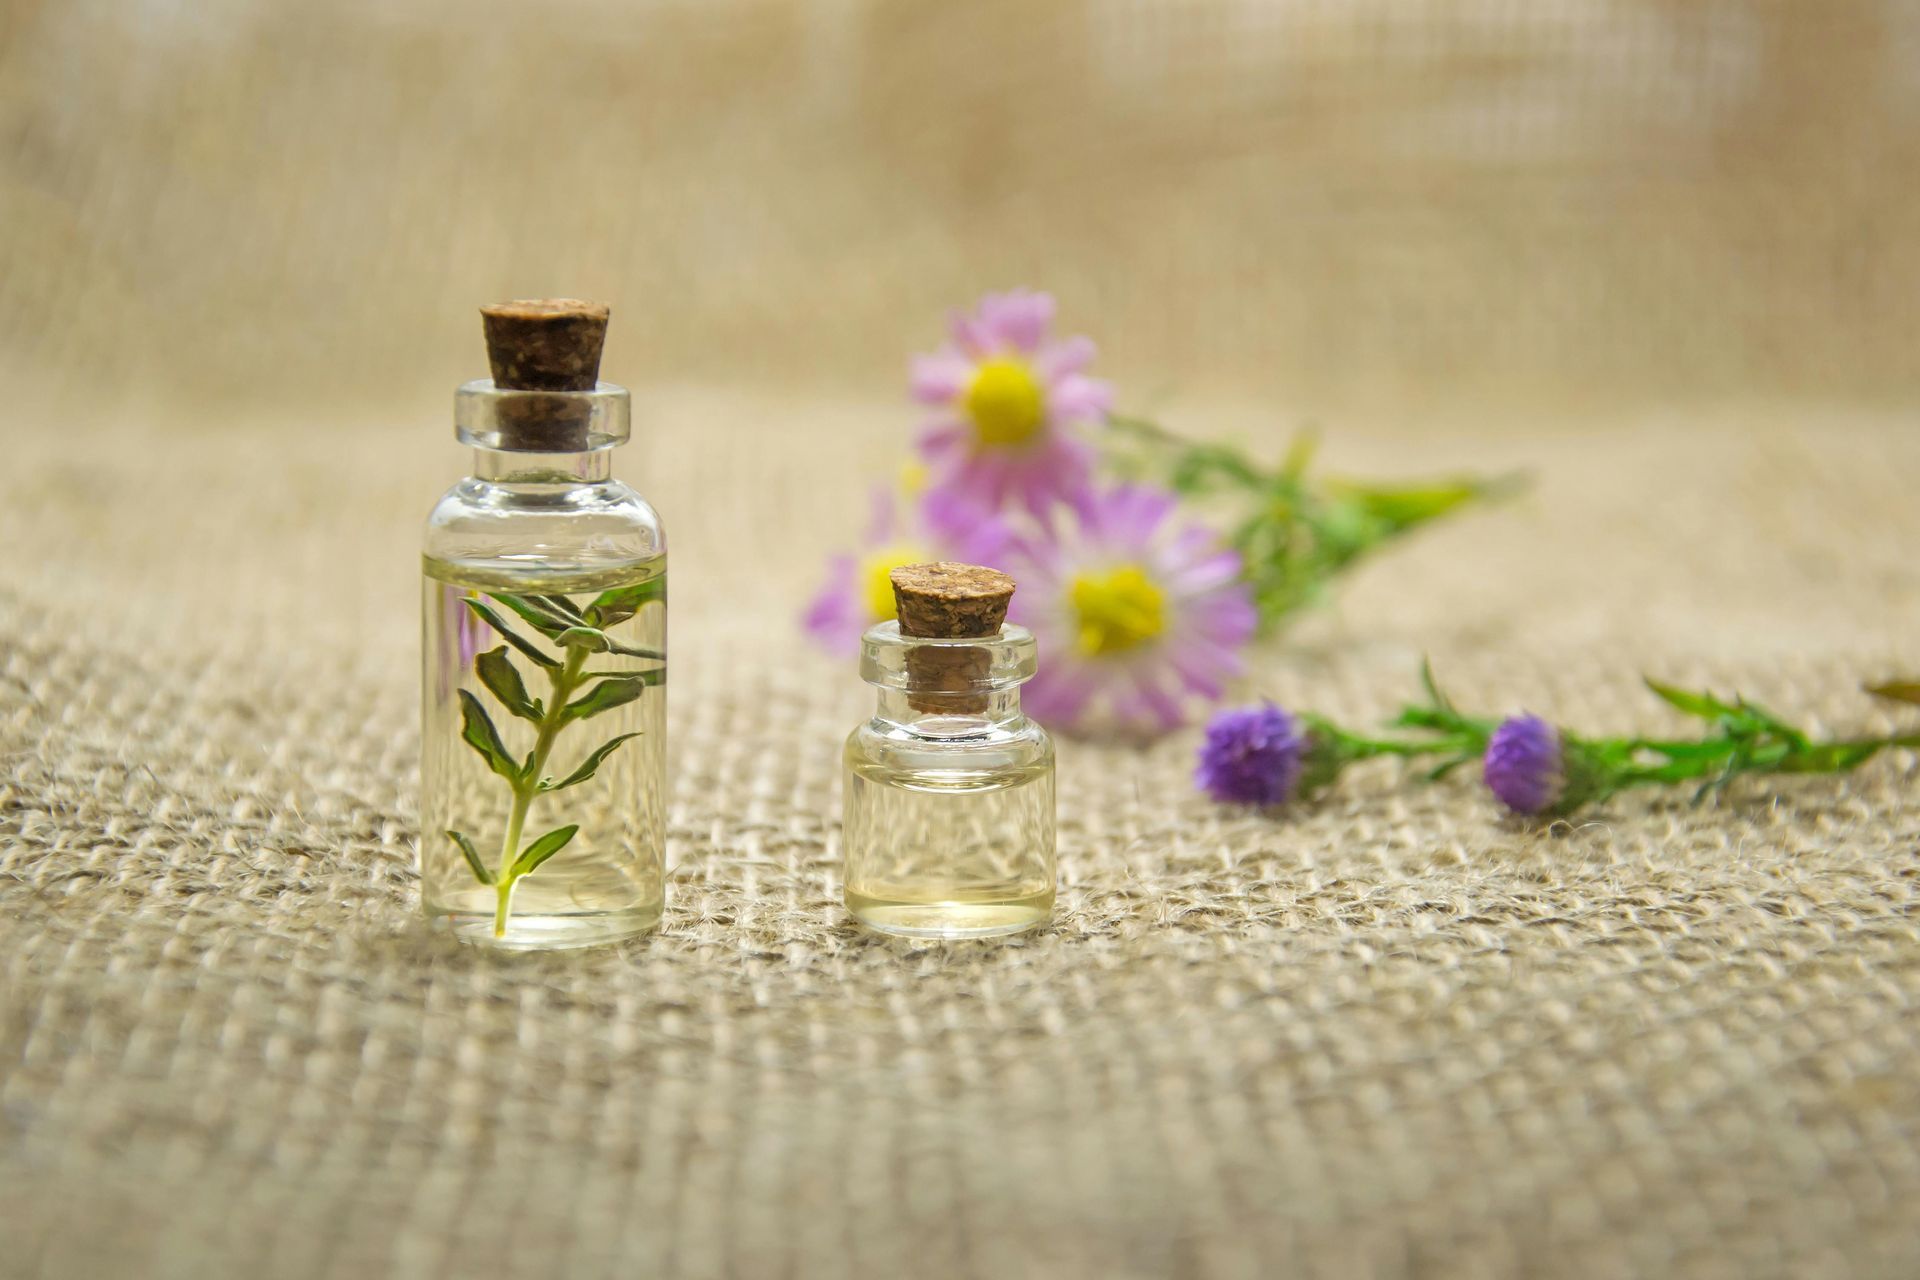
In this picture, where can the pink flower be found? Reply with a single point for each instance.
(858, 591)
(1010, 402)
(1137, 615)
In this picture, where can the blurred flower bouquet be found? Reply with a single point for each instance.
(1146, 562)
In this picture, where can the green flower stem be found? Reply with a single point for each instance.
(1357, 748)
(1728, 756)
(564, 681)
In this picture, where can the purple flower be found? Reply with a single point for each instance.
(1526, 765)
(1136, 613)
(1252, 755)
(858, 591)
(1009, 399)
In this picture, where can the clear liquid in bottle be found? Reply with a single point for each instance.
(518, 748)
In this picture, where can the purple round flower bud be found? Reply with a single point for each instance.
(1252, 755)
(1526, 765)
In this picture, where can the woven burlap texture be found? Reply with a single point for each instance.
(1387, 1035)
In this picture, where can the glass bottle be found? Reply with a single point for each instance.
(948, 824)
(544, 671)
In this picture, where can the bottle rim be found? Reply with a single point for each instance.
(976, 664)
(482, 413)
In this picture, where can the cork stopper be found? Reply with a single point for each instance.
(949, 601)
(545, 344)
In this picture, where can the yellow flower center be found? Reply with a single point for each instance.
(1005, 402)
(876, 577)
(1117, 610)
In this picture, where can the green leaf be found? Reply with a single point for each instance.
(562, 605)
(590, 765)
(511, 636)
(1300, 452)
(614, 646)
(1831, 757)
(1706, 749)
(1402, 507)
(542, 849)
(1439, 700)
(478, 732)
(611, 692)
(656, 675)
(592, 639)
(535, 610)
(472, 856)
(1703, 705)
(1897, 690)
(502, 679)
(612, 607)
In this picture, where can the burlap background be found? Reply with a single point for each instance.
(1390, 1035)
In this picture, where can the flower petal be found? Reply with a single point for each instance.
(1076, 398)
(1056, 360)
(1200, 576)
(940, 378)
(833, 616)
(1058, 695)
(1018, 319)
(942, 439)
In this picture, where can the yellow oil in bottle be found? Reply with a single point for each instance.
(949, 843)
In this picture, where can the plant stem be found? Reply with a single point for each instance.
(1367, 748)
(563, 682)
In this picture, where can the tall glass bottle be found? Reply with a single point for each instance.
(948, 824)
(544, 655)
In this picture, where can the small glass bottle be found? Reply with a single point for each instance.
(544, 655)
(949, 809)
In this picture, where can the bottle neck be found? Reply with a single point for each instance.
(949, 715)
(514, 466)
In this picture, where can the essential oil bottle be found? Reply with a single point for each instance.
(544, 654)
(949, 809)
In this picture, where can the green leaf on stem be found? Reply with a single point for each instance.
(612, 607)
(1832, 757)
(592, 639)
(1300, 454)
(1897, 690)
(611, 692)
(477, 731)
(1703, 705)
(652, 676)
(472, 856)
(1401, 507)
(1706, 749)
(502, 679)
(535, 610)
(590, 765)
(563, 606)
(1439, 700)
(511, 636)
(542, 849)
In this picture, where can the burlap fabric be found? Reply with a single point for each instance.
(1389, 1035)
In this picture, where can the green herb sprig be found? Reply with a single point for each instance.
(575, 635)
(1295, 532)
